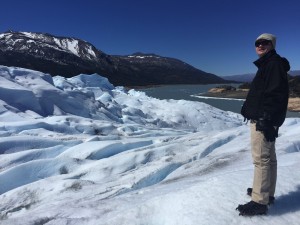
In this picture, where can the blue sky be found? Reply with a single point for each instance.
(216, 36)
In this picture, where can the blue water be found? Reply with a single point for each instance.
(188, 92)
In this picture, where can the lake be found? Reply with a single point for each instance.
(190, 92)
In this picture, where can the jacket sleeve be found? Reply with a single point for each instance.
(275, 89)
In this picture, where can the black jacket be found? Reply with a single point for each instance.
(269, 91)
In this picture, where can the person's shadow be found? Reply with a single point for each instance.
(286, 203)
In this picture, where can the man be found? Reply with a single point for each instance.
(265, 107)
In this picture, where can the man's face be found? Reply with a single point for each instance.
(262, 47)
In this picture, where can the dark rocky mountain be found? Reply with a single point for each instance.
(154, 69)
(67, 57)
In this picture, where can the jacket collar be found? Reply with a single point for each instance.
(265, 58)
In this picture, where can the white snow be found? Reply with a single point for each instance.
(142, 57)
(70, 45)
(30, 35)
(81, 151)
(91, 52)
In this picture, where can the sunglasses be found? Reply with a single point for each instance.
(263, 43)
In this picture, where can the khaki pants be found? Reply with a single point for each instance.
(265, 167)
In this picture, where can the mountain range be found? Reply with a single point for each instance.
(67, 57)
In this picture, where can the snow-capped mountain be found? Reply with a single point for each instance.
(51, 54)
(67, 57)
(37, 43)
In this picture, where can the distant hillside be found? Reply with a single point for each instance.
(294, 72)
(241, 78)
(294, 88)
(249, 76)
(68, 56)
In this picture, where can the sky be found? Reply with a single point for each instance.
(79, 151)
(216, 36)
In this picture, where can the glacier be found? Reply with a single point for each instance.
(81, 151)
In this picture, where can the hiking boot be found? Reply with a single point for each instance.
(252, 209)
(271, 198)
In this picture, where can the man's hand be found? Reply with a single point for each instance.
(269, 131)
(262, 124)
